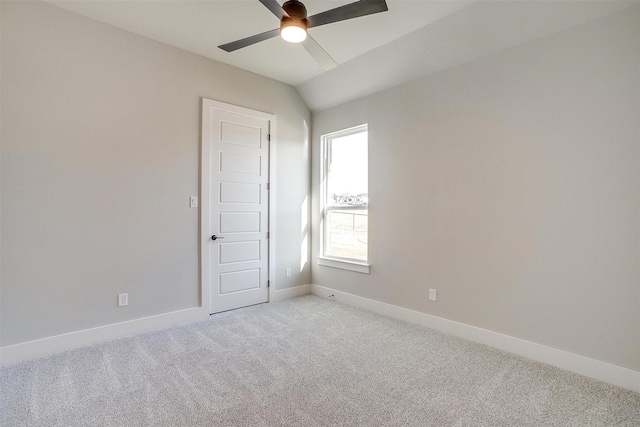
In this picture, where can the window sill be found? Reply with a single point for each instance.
(358, 267)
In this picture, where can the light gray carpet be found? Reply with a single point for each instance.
(303, 362)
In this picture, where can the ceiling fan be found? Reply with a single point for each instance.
(294, 24)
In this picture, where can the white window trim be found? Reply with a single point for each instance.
(358, 266)
(344, 264)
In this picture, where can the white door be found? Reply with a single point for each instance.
(237, 248)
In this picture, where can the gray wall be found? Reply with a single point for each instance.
(512, 186)
(100, 136)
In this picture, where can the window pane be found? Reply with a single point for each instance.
(348, 171)
(347, 233)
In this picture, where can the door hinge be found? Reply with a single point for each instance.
(268, 283)
(267, 234)
(269, 137)
(268, 186)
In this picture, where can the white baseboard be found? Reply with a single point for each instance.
(592, 368)
(296, 291)
(42, 347)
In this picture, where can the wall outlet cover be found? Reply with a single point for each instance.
(123, 300)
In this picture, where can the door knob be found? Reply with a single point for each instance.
(214, 237)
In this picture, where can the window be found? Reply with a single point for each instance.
(345, 199)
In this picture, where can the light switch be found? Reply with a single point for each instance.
(193, 201)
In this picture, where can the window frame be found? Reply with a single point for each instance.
(352, 264)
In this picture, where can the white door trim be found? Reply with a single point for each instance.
(207, 104)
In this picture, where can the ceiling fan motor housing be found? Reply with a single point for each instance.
(295, 9)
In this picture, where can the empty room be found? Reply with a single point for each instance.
(319, 213)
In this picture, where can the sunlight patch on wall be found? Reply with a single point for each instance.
(304, 232)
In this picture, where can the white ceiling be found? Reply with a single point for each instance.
(412, 39)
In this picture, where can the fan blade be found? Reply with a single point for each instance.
(275, 8)
(239, 44)
(319, 54)
(348, 11)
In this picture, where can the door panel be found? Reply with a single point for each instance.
(237, 163)
(239, 192)
(239, 252)
(240, 222)
(237, 281)
(238, 209)
(240, 133)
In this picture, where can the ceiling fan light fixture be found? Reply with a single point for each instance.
(293, 30)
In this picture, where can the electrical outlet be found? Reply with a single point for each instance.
(432, 294)
(193, 202)
(123, 299)
(288, 272)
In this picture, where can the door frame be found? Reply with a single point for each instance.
(205, 156)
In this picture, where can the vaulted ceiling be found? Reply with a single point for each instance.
(414, 38)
